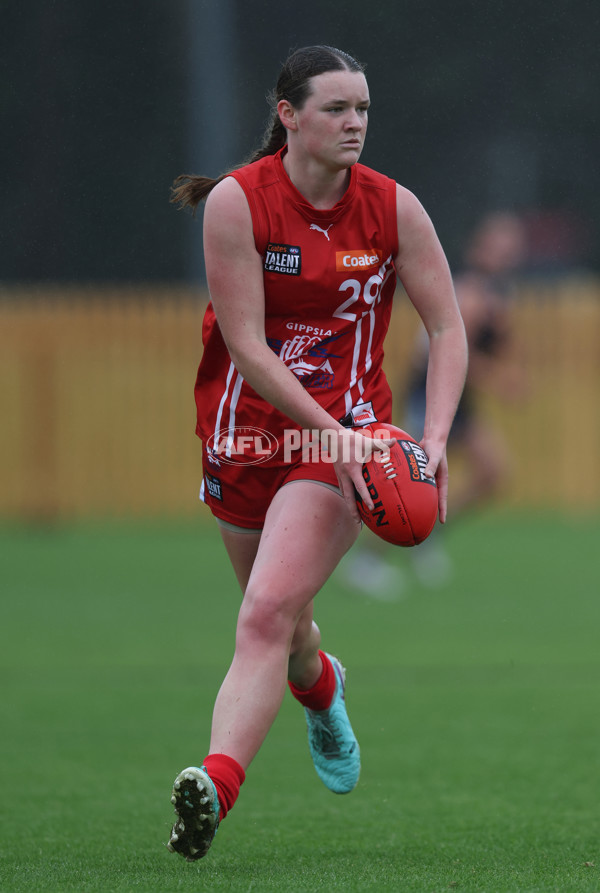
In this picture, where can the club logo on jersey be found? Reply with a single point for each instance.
(213, 485)
(417, 460)
(360, 259)
(213, 460)
(308, 357)
(285, 259)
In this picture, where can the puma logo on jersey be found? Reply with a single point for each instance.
(321, 230)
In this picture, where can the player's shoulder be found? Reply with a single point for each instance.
(368, 176)
(256, 174)
(237, 188)
(407, 201)
(409, 208)
(226, 197)
(227, 215)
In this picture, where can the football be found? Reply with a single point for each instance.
(405, 500)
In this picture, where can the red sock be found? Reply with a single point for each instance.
(227, 776)
(320, 696)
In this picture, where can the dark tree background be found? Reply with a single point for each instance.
(476, 106)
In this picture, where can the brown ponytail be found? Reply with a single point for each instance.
(189, 190)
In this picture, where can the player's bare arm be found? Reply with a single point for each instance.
(423, 270)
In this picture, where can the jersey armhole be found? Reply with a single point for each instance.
(258, 228)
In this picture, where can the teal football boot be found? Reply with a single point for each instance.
(333, 745)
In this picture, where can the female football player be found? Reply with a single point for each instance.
(302, 247)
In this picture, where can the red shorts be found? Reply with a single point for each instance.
(241, 494)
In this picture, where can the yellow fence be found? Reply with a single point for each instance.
(97, 409)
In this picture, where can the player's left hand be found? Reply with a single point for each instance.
(437, 467)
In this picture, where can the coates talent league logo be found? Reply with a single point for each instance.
(243, 444)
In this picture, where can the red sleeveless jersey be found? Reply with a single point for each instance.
(329, 280)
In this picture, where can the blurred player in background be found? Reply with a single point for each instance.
(302, 248)
(494, 254)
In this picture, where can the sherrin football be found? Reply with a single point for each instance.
(405, 501)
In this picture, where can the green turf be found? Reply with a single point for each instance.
(476, 705)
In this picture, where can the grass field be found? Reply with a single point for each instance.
(476, 705)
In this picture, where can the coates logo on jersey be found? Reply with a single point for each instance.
(360, 259)
(242, 444)
(285, 259)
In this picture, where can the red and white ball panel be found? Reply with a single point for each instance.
(405, 500)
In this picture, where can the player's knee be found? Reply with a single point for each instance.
(263, 616)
